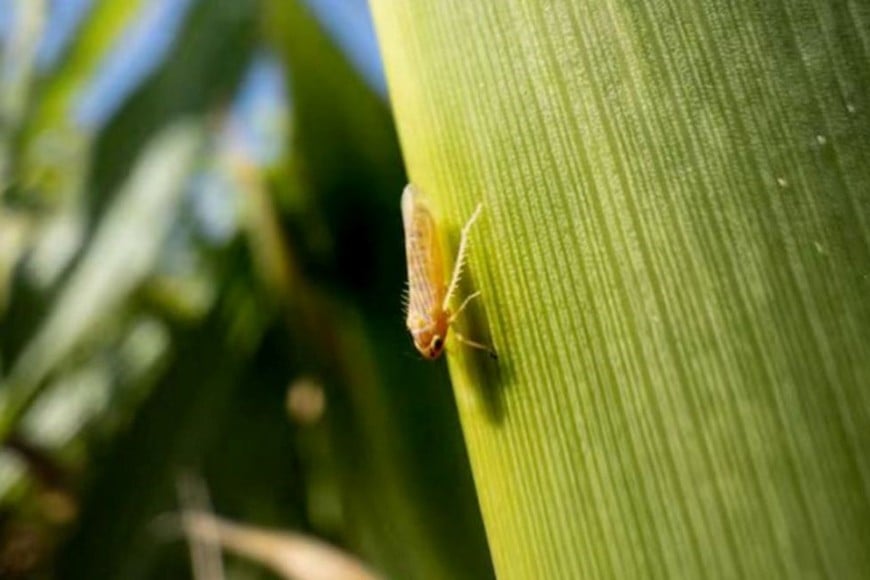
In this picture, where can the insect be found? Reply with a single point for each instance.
(429, 316)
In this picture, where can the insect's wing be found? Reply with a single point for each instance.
(423, 251)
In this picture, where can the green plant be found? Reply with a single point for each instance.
(674, 262)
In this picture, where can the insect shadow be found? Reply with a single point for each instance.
(487, 375)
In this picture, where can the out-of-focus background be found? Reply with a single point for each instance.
(201, 268)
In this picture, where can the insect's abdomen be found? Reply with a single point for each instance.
(425, 264)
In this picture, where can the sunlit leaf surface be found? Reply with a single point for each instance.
(673, 260)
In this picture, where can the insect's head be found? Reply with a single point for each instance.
(429, 344)
(436, 347)
(430, 341)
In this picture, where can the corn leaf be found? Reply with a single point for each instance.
(673, 257)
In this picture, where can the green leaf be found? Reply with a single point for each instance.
(674, 260)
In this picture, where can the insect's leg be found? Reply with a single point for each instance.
(462, 306)
(460, 256)
(477, 345)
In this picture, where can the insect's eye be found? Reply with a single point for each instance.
(438, 343)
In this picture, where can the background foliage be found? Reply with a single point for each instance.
(199, 239)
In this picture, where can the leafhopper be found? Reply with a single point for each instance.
(429, 316)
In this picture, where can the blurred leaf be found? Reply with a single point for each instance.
(339, 121)
(17, 66)
(200, 76)
(132, 482)
(292, 556)
(101, 30)
(121, 255)
(673, 258)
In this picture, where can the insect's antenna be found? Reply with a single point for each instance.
(460, 256)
